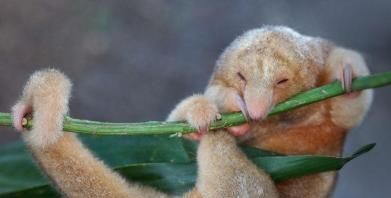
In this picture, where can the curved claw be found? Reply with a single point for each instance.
(346, 77)
(19, 111)
(195, 136)
(203, 130)
(242, 106)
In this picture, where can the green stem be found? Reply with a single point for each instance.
(231, 119)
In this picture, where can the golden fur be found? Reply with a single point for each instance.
(258, 70)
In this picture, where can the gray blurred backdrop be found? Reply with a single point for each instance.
(134, 60)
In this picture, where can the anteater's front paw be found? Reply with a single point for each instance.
(198, 111)
(201, 114)
(344, 65)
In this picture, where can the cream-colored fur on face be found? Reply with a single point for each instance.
(264, 57)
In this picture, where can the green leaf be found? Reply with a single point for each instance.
(17, 170)
(165, 163)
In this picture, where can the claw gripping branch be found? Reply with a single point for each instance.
(232, 119)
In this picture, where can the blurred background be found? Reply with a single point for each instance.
(134, 60)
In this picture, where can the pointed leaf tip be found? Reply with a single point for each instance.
(360, 151)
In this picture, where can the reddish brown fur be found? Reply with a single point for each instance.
(298, 132)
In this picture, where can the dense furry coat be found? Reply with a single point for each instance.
(258, 70)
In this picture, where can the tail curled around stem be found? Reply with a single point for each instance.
(47, 92)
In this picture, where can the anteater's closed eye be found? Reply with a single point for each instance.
(282, 81)
(241, 76)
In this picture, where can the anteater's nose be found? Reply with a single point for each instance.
(258, 111)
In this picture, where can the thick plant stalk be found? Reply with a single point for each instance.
(154, 127)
